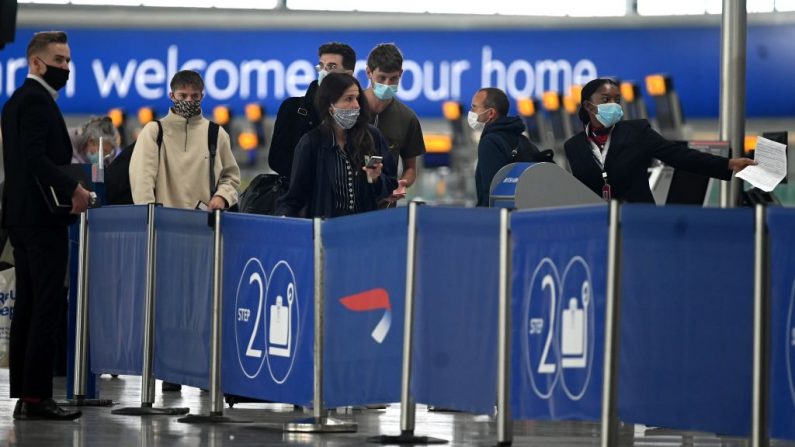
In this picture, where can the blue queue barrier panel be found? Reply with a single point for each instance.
(183, 288)
(365, 288)
(781, 227)
(559, 265)
(686, 318)
(268, 308)
(455, 308)
(116, 288)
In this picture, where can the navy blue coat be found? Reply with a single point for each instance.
(312, 177)
(497, 141)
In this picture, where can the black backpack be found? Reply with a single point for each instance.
(262, 193)
(300, 119)
(117, 174)
(526, 152)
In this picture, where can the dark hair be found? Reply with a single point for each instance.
(587, 91)
(385, 56)
(187, 78)
(496, 99)
(360, 142)
(344, 50)
(41, 39)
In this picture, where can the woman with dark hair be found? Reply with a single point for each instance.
(611, 157)
(331, 175)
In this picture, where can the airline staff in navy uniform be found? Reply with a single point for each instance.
(35, 142)
(611, 157)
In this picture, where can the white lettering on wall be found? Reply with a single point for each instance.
(261, 68)
(255, 79)
(211, 83)
(522, 79)
(113, 79)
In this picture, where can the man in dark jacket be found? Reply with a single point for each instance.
(501, 135)
(297, 115)
(35, 142)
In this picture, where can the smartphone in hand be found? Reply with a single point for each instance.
(374, 160)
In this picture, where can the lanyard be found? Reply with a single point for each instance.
(607, 190)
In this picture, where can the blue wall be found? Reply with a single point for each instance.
(131, 68)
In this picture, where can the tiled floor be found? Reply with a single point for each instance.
(98, 427)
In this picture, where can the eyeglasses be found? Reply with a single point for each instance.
(330, 67)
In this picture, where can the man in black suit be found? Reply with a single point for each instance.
(35, 142)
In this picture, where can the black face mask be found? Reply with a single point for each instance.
(55, 77)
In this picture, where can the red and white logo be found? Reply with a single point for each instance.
(370, 300)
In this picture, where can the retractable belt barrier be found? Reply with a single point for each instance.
(781, 226)
(686, 318)
(268, 308)
(183, 285)
(559, 271)
(117, 282)
(455, 313)
(680, 354)
(365, 265)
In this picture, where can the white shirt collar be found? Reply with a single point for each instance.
(41, 81)
(600, 155)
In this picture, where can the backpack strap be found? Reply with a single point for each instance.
(513, 152)
(159, 134)
(212, 145)
(302, 110)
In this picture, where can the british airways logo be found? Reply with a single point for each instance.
(370, 300)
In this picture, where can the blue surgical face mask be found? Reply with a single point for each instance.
(384, 92)
(93, 157)
(609, 113)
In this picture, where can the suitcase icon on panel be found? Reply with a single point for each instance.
(280, 331)
(574, 336)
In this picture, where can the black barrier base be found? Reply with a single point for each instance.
(86, 403)
(320, 425)
(150, 411)
(405, 438)
(212, 418)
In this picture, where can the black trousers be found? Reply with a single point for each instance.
(41, 255)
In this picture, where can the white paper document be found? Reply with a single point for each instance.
(771, 167)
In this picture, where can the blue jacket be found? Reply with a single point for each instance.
(312, 177)
(494, 152)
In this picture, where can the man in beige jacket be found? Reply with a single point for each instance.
(178, 173)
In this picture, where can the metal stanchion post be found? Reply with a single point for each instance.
(407, 405)
(319, 422)
(761, 393)
(147, 379)
(81, 325)
(504, 426)
(610, 423)
(216, 397)
(733, 43)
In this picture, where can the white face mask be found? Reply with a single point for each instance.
(472, 119)
(320, 75)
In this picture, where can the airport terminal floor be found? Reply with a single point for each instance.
(98, 427)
